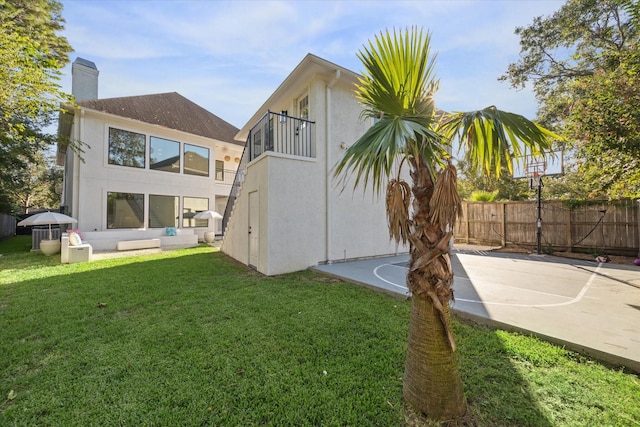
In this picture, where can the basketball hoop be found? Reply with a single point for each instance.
(534, 172)
(534, 180)
(535, 167)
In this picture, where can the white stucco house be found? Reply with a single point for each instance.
(147, 163)
(286, 211)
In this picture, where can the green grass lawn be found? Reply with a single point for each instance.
(189, 337)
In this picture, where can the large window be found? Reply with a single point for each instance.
(164, 154)
(196, 160)
(126, 148)
(125, 210)
(163, 211)
(190, 207)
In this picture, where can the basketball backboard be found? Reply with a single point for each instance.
(551, 164)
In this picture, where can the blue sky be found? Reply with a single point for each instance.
(229, 56)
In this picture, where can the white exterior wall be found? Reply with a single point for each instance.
(305, 217)
(290, 218)
(295, 214)
(94, 177)
(358, 216)
(236, 237)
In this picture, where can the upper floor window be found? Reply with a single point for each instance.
(164, 154)
(303, 107)
(196, 160)
(219, 170)
(126, 148)
(257, 144)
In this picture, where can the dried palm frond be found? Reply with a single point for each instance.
(445, 204)
(398, 201)
(428, 256)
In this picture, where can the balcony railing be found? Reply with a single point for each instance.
(281, 134)
(225, 176)
(277, 133)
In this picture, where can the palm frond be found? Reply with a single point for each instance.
(399, 74)
(397, 88)
(398, 201)
(374, 154)
(490, 135)
(445, 204)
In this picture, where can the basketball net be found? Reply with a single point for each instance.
(535, 171)
(534, 181)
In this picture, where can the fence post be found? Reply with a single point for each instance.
(503, 238)
(568, 231)
(466, 218)
(638, 216)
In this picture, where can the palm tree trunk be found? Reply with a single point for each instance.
(432, 382)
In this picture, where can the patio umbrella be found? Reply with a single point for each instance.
(207, 215)
(47, 218)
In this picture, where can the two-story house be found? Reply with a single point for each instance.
(146, 163)
(286, 211)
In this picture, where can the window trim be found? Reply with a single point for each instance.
(108, 148)
(184, 162)
(197, 221)
(221, 170)
(179, 170)
(144, 208)
(176, 221)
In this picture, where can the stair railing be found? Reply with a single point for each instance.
(235, 188)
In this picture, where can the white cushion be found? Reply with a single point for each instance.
(74, 239)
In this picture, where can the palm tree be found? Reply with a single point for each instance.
(397, 89)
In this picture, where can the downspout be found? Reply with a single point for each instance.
(327, 190)
(76, 168)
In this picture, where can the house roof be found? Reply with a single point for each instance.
(170, 110)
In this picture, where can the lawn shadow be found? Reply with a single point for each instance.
(496, 392)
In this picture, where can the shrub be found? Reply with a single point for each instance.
(483, 196)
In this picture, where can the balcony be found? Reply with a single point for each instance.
(225, 176)
(281, 133)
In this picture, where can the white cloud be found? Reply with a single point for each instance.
(229, 55)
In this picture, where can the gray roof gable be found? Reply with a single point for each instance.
(170, 110)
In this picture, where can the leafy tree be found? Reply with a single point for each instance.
(570, 186)
(398, 87)
(583, 62)
(505, 185)
(31, 186)
(605, 120)
(32, 56)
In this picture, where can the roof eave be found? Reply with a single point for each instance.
(309, 66)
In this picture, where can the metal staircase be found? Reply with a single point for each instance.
(276, 132)
(235, 188)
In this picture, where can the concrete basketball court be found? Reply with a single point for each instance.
(585, 306)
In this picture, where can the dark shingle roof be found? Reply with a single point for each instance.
(170, 110)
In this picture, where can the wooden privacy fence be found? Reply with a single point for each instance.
(607, 227)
